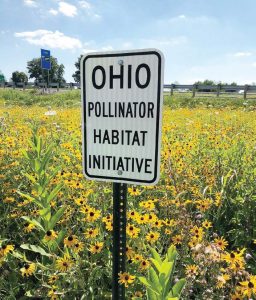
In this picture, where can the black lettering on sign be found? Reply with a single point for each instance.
(119, 76)
(98, 86)
(137, 75)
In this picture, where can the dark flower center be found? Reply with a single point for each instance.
(26, 266)
(250, 285)
(232, 255)
(126, 277)
(70, 238)
(48, 233)
(91, 214)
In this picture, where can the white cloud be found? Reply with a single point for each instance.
(89, 10)
(254, 64)
(192, 20)
(30, 3)
(85, 4)
(242, 54)
(67, 9)
(49, 39)
(53, 11)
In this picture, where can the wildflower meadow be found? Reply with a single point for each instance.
(56, 226)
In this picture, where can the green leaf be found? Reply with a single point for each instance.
(47, 156)
(35, 222)
(151, 295)
(45, 213)
(144, 281)
(178, 287)
(155, 255)
(154, 279)
(166, 268)
(156, 264)
(30, 198)
(172, 253)
(54, 192)
(35, 249)
(55, 218)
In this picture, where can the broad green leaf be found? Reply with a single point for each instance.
(55, 218)
(148, 285)
(155, 255)
(154, 279)
(156, 264)
(173, 298)
(166, 268)
(151, 295)
(178, 287)
(36, 249)
(172, 253)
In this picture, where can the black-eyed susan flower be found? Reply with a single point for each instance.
(63, 264)
(5, 249)
(109, 226)
(144, 264)
(50, 235)
(207, 224)
(137, 258)
(221, 280)
(152, 236)
(78, 247)
(91, 233)
(28, 227)
(28, 269)
(96, 248)
(92, 214)
(129, 252)
(126, 279)
(191, 270)
(133, 191)
(221, 243)
(177, 239)
(70, 241)
(53, 278)
(248, 287)
(132, 231)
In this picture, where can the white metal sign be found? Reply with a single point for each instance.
(122, 111)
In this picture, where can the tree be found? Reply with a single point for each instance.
(2, 78)
(55, 74)
(19, 77)
(76, 75)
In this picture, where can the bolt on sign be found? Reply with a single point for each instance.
(122, 96)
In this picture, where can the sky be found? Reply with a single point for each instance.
(200, 39)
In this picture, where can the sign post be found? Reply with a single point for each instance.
(122, 96)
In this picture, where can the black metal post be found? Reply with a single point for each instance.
(119, 239)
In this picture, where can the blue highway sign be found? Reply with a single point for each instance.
(45, 59)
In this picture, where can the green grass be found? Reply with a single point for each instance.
(71, 98)
(31, 97)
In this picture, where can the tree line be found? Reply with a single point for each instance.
(56, 74)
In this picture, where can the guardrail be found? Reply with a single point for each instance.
(194, 88)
